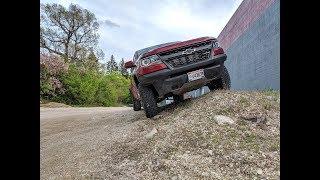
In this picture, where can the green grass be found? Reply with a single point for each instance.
(271, 92)
(251, 142)
(225, 111)
(275, 146)
(267, 106)
(216, 139)
(244, 102)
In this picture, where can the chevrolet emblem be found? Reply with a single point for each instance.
(188, 51)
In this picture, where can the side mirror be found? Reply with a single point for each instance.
(129, 64)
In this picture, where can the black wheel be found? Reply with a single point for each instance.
(177, 98)
(221, 83)
(136, 105)
(149, 101)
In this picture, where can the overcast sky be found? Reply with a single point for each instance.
(130, 25)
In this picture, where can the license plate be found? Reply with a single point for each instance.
(195, 75)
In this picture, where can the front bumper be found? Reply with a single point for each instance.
(175, 81)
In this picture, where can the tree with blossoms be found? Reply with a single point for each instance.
(51, 67)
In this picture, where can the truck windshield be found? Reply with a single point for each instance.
(145, 50)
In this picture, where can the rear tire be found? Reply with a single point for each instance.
(221, 83)
(136, 105)
(149, 101)
(177, 98)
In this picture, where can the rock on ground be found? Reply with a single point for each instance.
(223, 120)
(151, 133)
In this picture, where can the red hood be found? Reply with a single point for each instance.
(177, 45)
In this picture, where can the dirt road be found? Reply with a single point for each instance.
(183, 142)
(74, 139)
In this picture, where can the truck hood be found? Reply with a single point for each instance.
(177, 45)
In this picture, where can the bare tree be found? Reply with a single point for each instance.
(70, 33)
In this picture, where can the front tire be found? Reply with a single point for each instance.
(149, 101)
(221, 83)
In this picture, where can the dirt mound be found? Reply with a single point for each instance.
(190, 144)
(54, 105)
(220, 135)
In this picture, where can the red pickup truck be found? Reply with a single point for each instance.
(172, 69)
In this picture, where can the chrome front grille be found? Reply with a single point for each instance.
(197, 56)
(176, 58)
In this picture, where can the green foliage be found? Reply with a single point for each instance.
(45, 89)
(121, 83)
(106, 94)
(92, 62)
(79, 85)
(91, 88)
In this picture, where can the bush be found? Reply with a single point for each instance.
(122, 86)
(91, 88)
(106, 93)
(73, 85)
(51, 67)
(79, 88)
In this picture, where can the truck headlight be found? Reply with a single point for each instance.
(151, 59)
